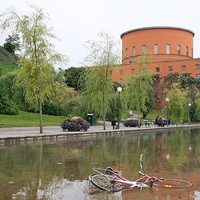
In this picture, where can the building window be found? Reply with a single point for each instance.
(155, 48)
(143, 49)
(197, 76)
(132, 71)
(197, 66)
(187, 51)
(134, 51)
(179, 49)
(121, 81)
(126, 52)
(170, 68)
(167, 48)
(157, 69)
(183, 67)
(121, 71)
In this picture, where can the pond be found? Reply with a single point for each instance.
(60, 170)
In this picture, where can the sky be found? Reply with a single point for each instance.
(76, 21)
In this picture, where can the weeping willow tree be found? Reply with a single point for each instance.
(138, 88)
(99, 86)
(36, 72)
(177, 102)
(196, 107)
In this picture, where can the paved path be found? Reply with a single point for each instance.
(30, 131)
(22, 132)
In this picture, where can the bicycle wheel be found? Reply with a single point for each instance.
(172, 183)
(104, 182)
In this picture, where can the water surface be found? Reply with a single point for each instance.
(60, 170)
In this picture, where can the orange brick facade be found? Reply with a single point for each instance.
(171, 49)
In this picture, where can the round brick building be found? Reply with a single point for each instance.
(164, 43)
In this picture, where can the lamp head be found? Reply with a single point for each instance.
(119, 89)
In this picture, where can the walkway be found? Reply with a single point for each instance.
(31, 132)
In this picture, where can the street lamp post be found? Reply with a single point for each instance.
(119, 89)
(167, 100)
(189, 105)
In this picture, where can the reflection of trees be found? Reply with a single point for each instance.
(193, 148)
(70, 161)
(35, 187)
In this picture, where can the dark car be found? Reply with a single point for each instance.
(131, 122)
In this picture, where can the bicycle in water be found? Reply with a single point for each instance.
(111, 180)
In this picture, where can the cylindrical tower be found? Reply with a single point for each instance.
(164, 43)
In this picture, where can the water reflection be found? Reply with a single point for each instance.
(60, 170)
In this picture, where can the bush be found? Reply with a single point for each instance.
(75, 124)
(8, 107)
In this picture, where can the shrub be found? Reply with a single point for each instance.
(75, 124)
(8, 107)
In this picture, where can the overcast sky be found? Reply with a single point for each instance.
(76, 21)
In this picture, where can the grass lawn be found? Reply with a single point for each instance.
(154, 113)
(7, 68)
(25, 119)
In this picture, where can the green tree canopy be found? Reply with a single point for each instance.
(98, 79)
(138, 88)
(74, 77)
(177, 103)
(36, 73)
(12, 43)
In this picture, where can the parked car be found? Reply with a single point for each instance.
(132, 122)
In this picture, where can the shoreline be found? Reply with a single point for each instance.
(56, 131)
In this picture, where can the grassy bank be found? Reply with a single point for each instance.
(25, 119)
(151, 116)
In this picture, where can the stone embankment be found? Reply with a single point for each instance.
(55, 133)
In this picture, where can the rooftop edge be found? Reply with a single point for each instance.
(156, 27)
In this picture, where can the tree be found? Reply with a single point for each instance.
(98, 79)
(12, 43)
(74, 77)
(36, 73)
(62, 93)
(197, 108)
(177, 102)
(138, 88)
(160, 91)
(188, 84)
(7, 104)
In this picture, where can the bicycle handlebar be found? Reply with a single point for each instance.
(141, 173)
(141, 155)
(141, 164)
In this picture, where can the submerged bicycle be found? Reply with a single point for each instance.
(111, 180)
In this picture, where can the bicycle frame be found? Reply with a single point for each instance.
(120, 179)
(146, 178)
(140, 182)
(116, 178)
